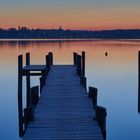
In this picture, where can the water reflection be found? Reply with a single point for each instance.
(114, 75)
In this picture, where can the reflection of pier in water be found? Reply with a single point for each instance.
(62, 110)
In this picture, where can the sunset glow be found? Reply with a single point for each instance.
(91, 15)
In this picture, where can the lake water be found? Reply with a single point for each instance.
(114, 75)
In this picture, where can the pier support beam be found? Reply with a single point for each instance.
(75, 58)
(93, 94)
(42, 82)
(83, 63)
(51, 58)
(34, 95)
(83, 81)
(28, 115)
(48, 62)
(139, 81)
(20, 104)
(28, 81)
(79, 65)
(101, 118)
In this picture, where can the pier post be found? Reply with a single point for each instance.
(34, 95)
(79, 65)
(139, 81)
(20, 105)
(27, 59)
(83, 81)
(28, 115)
(28, 80)
(48, 62)
(51, 58)
(83, 78)
(83, 63)
(101, 118)
(93, 94)
(74, 58)
(42, 82)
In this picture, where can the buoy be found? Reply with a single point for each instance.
(106, 53)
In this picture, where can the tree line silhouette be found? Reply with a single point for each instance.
(24, 32)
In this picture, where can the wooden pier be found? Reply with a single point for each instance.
(64, 109)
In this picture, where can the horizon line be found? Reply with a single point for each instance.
(60, 28)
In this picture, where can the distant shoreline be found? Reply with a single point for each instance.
(55, 34)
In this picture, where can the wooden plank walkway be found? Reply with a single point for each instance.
(64, 110)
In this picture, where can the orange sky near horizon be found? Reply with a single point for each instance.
(72, 17)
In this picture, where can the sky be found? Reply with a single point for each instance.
(72, 14)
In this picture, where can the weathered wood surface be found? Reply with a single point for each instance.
(64, 110)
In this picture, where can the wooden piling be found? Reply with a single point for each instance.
(93, 94)
(83, 63)
(83, 81)
(79, 65)
(20, 105)
(139, 81)
(27, 59)
(41, 83)
(81, 71)
(74, 58)
(48, 62)
(101, 118)
(28, 81)
(51, 58)
(34, 95)
(28, 115)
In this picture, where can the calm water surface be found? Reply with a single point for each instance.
(115, 76)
